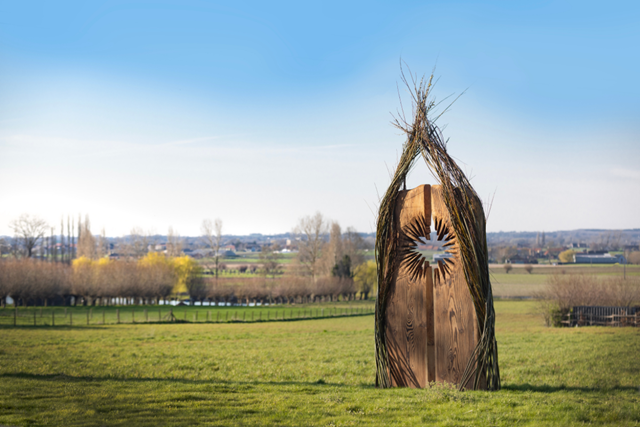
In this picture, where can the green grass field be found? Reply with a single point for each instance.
(519, 283)
(307, 372)
(248, 258)
(92, 316)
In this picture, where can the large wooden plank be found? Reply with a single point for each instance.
(409, 314)
(454, 314)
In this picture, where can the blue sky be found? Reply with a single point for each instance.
(158, 114)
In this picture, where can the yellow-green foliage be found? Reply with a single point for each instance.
(81, 262)
(366, 277)
(154, 258)
(566, 256)
(185, 268)
(85, 262)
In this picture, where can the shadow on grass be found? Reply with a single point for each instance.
(319, 383)
(52, 328)
(555, 389)
(86, 378)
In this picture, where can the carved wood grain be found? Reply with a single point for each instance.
(409, 315)
(454, 313)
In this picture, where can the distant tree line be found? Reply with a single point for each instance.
(329, 265)
(154, 279)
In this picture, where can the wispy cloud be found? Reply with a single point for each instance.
(626, 173)
(83, 148)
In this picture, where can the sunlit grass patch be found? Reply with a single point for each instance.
(312, 372)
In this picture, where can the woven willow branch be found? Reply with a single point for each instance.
(468, 223)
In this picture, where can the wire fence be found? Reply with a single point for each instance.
(57, 316)
(603, 316)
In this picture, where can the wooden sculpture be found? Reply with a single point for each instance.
(433, 323)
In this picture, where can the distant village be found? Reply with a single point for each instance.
(565, 247)
(575, 246)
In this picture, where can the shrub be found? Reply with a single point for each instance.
(567, 256)
(564, 291)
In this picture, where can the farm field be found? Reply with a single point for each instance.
(519, 283)
(307, 372)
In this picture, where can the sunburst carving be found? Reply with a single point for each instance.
(417, 229)
(445, 234)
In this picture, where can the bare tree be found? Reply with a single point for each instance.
(103, 245)
(212, 236)
(270, 259)
(353, 244)
(5, 247)
(29, 230)
(86, 240)
(138, 243)
(312, 230)
(174, 243)
(333, 251)
(634, 257)
(62, 251)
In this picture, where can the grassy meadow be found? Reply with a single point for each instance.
(519, 283)
(307, 372)
(91, 316)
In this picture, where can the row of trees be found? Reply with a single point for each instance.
(317, 257)
(284, 290)
(155, 278)
(149, 280)
(329, 264)
(33, 236)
